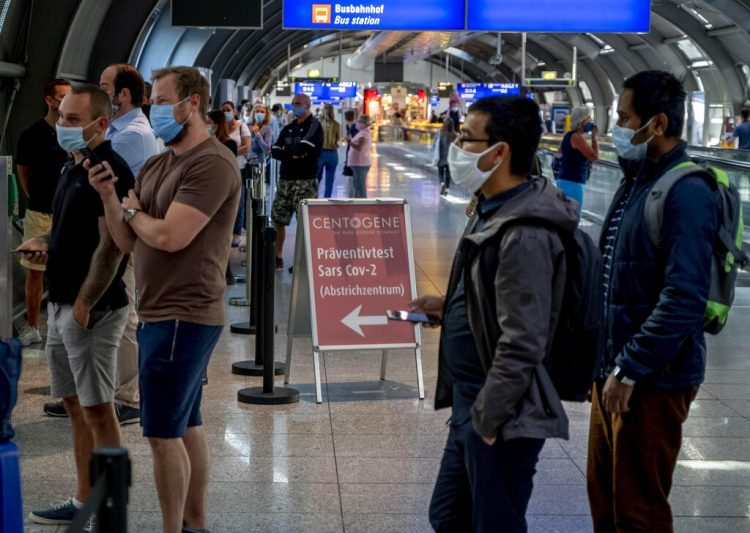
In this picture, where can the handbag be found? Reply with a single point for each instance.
(347, 171)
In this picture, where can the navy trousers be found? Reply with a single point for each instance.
(483, 488)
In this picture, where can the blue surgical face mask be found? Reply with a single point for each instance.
(588, 128)
(163, 121)
(260, 117)
(229, 116)
(298, 111)
(70, 138)
(621, 139)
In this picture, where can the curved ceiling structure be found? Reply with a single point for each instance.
(706, 43)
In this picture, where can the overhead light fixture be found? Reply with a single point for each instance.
(606, 50)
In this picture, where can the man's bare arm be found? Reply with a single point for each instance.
(103, 268)
(103, 179)
(175, 231)
(24, 173)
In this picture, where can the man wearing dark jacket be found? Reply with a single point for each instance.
(298, 148)
(499, 314)
(654, 299)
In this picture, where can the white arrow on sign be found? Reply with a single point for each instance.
(354, 321)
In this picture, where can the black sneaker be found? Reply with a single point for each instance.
(60, 513)
(55, 409)
(127, 415)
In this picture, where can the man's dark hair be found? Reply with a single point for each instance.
(515, 121)
(128, 77)
(658, 91)
(349, 115)
(745, 114)
(148, 88)
(99, 101)
(228, 102)
(49, 87)
(276, 108)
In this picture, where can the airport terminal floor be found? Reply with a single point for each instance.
(365, 460)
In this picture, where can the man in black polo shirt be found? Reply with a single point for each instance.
(39, 161)
(298, 148)
(88, 303)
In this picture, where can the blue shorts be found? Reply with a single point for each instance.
(173, 356)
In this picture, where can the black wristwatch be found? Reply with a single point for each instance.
(129, 213)
(620, 376)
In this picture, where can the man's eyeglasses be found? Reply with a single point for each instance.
(462, 139)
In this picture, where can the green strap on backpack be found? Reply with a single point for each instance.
(728, 256)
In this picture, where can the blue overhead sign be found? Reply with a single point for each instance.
(332, 91)
(475, 91)
(587, 16)
(426, 15)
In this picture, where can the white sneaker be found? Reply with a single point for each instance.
(29, 336)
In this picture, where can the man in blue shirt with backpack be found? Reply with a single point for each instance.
(656, 288)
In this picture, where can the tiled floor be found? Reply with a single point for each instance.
(365, 460)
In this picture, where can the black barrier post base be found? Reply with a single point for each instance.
(278, 396)
(243, 328)
(251, 368)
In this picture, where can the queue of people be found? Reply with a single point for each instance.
(169, 218)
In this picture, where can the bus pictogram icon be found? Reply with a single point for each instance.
(321, 13)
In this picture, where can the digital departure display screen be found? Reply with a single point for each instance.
(426, 15)
(332, 91)
(218, 13)
(475, 91)
(604, 16)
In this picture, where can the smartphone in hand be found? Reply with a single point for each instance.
(413, 316)
(94, 160)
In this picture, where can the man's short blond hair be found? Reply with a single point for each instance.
(188, 81)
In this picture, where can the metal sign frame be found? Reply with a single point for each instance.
(302, 309)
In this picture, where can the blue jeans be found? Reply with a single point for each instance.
(173, 356)
(574, 191)
(359, 189)
(483, 488)
(328, 161)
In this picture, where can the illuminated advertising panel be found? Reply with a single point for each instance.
(603, 16)
(426, 15)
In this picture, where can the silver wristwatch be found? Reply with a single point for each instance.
(620, 376)
(129, 213)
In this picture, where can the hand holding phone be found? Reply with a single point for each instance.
(416, 317)
(94, 160)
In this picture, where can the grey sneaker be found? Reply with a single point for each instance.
(29, 335)
(55, 409)
(90, 526)
(127, 415)
(60, 513)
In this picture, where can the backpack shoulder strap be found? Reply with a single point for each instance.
(653, 210)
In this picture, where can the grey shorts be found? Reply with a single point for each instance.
(83, 362)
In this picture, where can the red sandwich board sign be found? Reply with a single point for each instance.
(353, 262)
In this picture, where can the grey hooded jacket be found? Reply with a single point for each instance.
(513, 312)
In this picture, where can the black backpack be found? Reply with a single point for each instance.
(576, 351)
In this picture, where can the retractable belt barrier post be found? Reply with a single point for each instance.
(254, 279)
(110, 480)
(264, 340)
(248, 328)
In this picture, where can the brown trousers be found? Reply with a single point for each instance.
(631, 459)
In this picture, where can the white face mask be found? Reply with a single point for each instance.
(464, 169)
(621, 139)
